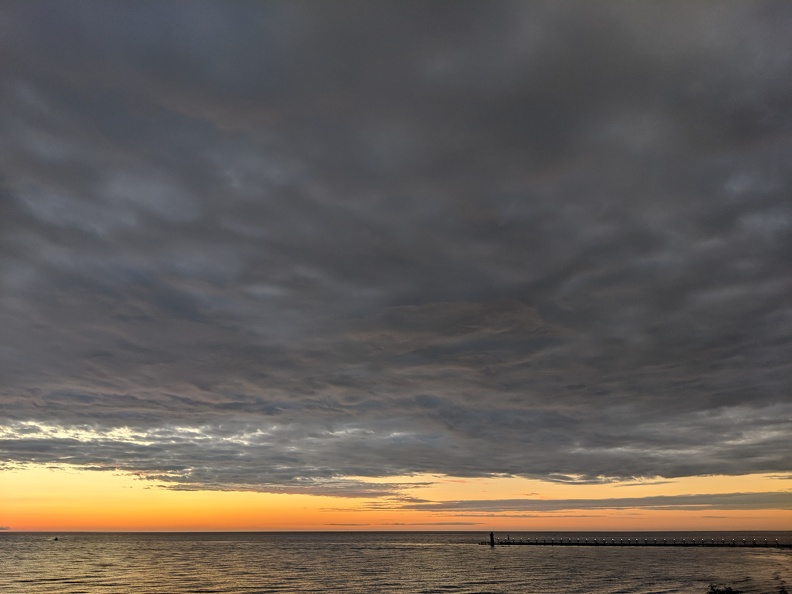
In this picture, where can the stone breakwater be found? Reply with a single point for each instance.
(638, 542)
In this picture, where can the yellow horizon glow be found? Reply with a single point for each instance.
(64, 498)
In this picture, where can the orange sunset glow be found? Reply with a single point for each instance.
(70, 499)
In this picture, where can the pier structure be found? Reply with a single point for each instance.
(636, 542)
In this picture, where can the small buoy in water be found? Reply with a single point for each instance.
(56, 538)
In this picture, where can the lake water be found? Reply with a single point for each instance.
(424, 562)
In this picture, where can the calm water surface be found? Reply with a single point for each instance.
(377, 562)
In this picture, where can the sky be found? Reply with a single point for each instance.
(395, 265)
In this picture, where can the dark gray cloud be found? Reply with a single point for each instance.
(270, 246)
(698, 502)
(433, 524)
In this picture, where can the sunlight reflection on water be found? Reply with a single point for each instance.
(369, 562)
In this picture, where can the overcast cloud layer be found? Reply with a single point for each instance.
(271, 245)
